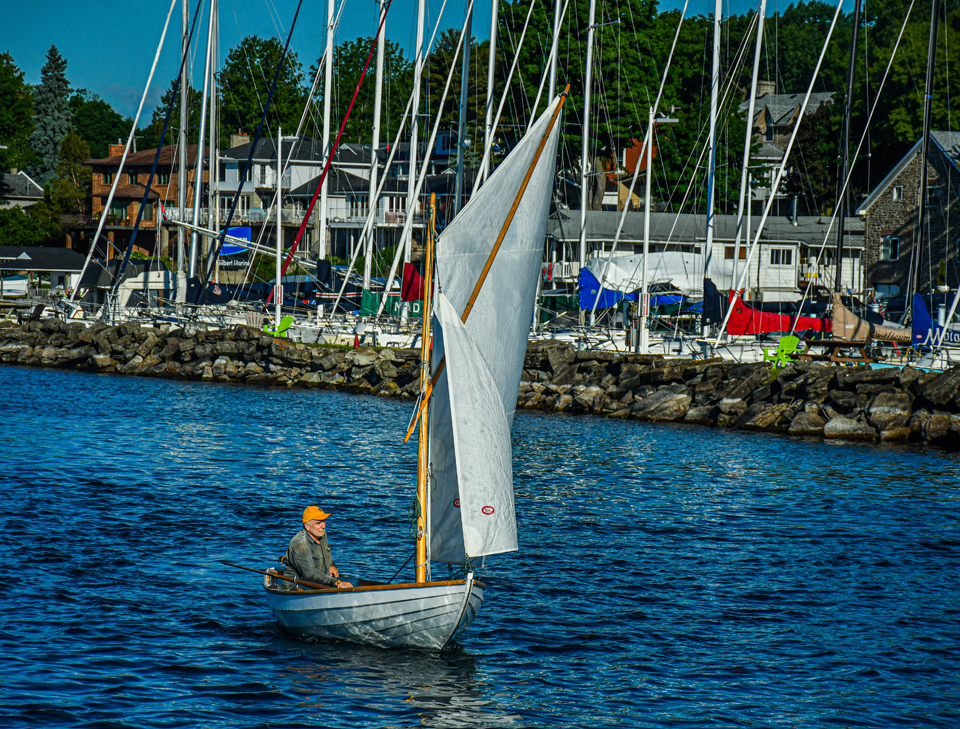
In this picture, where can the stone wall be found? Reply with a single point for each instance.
(898, 218)
(805, 399)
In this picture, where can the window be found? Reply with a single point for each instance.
(729, 252)
(934, 195)
(107, 178)
(781, 257)
(163, 178)
(132, 177)
(889, 249)
(249, 176)
(148, 213)
(898, 192)
(118, 209)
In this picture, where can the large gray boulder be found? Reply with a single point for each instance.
(807, 424)
(890, 410)
(847, 429)
(666, 404)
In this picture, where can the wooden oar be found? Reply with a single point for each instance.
(304, 583)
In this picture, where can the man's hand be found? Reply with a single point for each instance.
(334, 572)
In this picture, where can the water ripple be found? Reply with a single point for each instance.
(667, 575)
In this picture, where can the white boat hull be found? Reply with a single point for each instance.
(429, 615)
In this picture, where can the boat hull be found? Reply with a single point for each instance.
(429, 615)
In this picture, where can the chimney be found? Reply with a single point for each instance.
(115, 150)
(237, 139)
(766, 87)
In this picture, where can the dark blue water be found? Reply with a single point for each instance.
(667, 576)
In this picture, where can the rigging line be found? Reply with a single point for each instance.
(372, 213)
(546, 68)
(408, 224)
(246, 169)
(123, 158)
(333, 150)
(156, 159)
(636, 172)
(780, 172)
(863, 137)
(506, 88)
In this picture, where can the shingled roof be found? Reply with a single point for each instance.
(39, 258)
(168, 155)
(20, 186)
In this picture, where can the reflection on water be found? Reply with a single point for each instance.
(666, 574)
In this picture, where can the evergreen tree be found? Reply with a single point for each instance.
(52, 121)
(16, 116)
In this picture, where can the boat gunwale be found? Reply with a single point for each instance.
(368, 588)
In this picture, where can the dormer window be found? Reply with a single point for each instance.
(898, 192)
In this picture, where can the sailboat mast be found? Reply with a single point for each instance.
(924, 151)
(585, 155)
(374, 161)
(462, 124)
(198, 173)
(712, 164)
(182, 177)
(491, 68)
(327, 98)
(422, 456)
(843, 202)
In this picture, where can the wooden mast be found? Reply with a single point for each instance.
(422, 456)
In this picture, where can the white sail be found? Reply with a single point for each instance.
(481, 442)
(499, 322)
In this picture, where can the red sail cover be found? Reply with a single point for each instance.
(412, 287)
(744, 319)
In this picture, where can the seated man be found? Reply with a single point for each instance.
(308, 555)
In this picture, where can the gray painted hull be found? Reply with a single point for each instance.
(429, 615)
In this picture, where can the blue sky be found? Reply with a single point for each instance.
(109, 45)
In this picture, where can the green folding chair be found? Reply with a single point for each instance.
(281, 331)
(781, 355)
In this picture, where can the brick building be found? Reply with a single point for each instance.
(890, 221)
(153, 237)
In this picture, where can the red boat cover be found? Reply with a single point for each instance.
(411, 289)
(744, 319)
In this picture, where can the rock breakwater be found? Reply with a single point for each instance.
(803, 399)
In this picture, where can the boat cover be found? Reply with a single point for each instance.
(847, 325)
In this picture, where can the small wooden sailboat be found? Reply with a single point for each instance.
(487, 264)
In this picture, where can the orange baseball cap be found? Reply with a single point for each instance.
(314, 513)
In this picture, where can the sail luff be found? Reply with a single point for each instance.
(490, 286)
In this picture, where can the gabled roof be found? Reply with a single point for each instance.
(40, 258)
(168, 155)
(19, 185)
(692, 228)
(783, 107)
(305, 149)
(947, 142)
(341, 181)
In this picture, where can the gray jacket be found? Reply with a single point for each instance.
(308, 560)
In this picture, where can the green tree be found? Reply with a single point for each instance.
(245, 83)
(19, 227)
(97, 123)
(52, 121)
(70, 189)
(16, 116)
(151, 133)
(348, 61)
